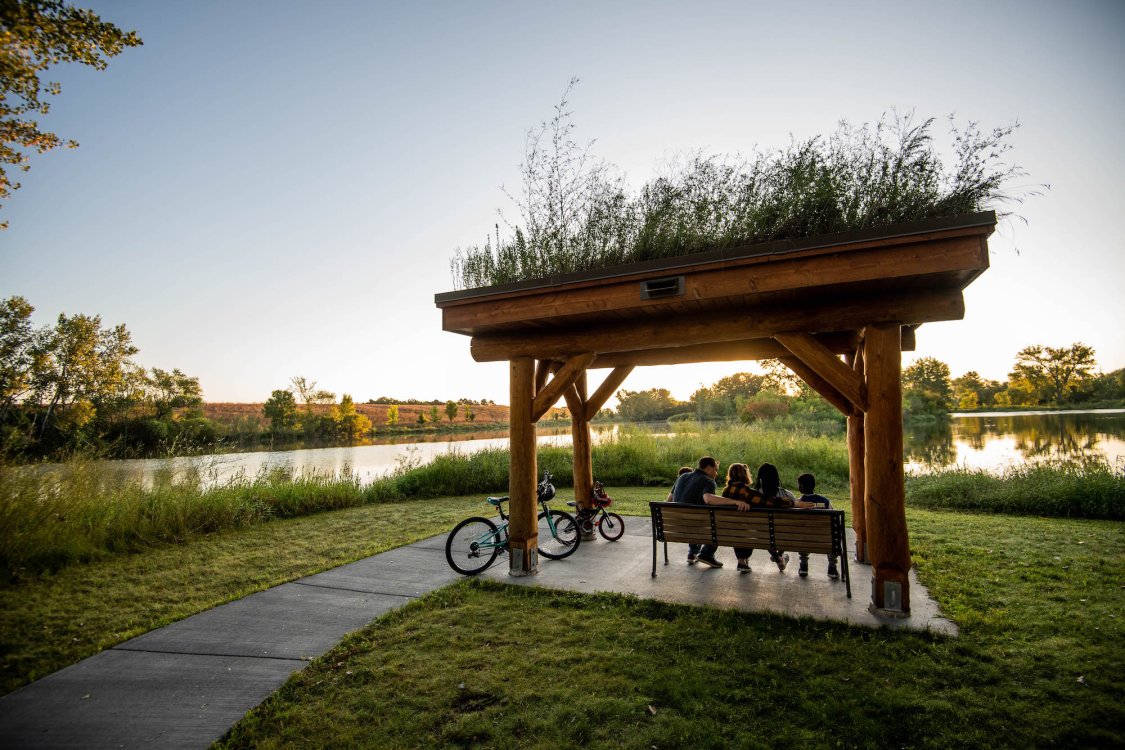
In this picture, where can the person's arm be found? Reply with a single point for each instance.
(713, 499)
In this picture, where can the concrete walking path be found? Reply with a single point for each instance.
(186, 684)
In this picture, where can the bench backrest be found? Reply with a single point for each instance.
(792, 529)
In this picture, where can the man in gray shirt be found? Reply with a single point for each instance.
(690, 488)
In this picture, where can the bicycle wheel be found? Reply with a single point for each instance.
(565, 539)
(472, 545)
(611, 527)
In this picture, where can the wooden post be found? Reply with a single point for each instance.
(887, 542)
(856, 468)
(580, 441)
(523, 527)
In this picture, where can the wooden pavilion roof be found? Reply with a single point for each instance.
(731, 304)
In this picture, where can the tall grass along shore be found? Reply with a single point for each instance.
(83, 512)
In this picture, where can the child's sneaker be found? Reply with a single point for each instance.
(782, 561)
(691, 559)
(743, 567)
(803, 568)
(832, 572)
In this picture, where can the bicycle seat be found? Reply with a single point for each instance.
(572, 503)
(496, 501)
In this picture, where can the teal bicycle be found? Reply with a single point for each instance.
(475, 543)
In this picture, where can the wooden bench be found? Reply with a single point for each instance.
(786, 529)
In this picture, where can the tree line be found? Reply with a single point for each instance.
(319, 417)
(1040, 376)
(73, 385)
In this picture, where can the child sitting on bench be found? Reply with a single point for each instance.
(806, 484)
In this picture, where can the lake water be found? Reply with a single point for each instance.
(996, 440)
(990, 441)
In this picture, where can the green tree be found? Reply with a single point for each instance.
(1109, 386)
(392, 415)
(1054, 374)
(470, 415)
(281, 410)
(451, 410)
(766, 405)
(927, 387)
(647, 406)
(34, 35)
(421, 417)
(18, 353)
(725, 397)
(350, 424)
(83, 367)
(172, 390)
(435, 414)
(309, 394)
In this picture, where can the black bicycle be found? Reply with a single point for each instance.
(475, 543)
(610, 525)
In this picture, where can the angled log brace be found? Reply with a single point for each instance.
(608, 387)
(827, 366)
(560, 383)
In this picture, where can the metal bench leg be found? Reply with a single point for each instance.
(654, 555)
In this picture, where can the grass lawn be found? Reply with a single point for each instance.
(1040, 662)
(1040, 604)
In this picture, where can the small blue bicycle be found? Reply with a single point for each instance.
(475, 543)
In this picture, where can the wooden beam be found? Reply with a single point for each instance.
(856, 467)
(608, 387)
(582, 465)
(731, 351)
(820, 385)
(563, 380)
(885, 492)
(718, 327)
(523, 527)
(827, 366)
(542, 372)
(908, 339)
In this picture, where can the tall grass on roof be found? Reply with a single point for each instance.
(577, 213)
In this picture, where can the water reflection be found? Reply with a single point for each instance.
(996, 440)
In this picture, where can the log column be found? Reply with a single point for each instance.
(856, 467)
(885, 491)
(522, 470)
(580, 440)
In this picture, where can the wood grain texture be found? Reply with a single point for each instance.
(827, 367)
(885, 493)
(523, 527)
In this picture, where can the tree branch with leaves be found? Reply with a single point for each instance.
(34, 36)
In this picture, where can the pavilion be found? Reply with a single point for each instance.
(856, 295)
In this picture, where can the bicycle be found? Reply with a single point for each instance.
(610, 525)
(475, 543)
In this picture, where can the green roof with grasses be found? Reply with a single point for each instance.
(577, 214)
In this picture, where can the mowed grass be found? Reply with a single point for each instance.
(50, 621)
(1039, 662)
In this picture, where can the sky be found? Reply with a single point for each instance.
(272, 188)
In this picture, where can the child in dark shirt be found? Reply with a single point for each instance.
(806, 484)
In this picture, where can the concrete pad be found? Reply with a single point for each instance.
(625, 567)
(405, 571)
(291, 621)
(139, 700)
